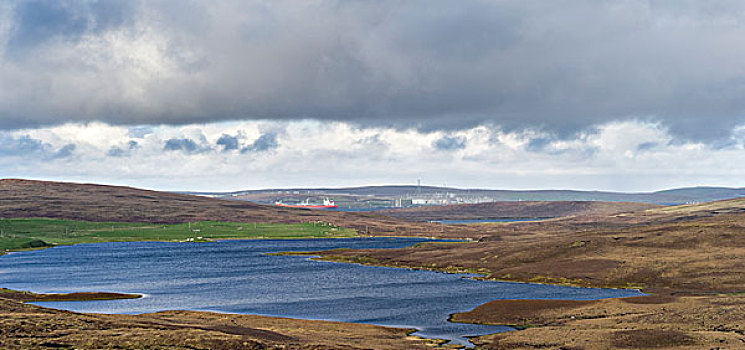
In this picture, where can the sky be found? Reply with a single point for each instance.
(227, 95)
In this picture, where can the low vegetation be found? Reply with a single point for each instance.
(690, 258)
(17, 234)
(70, 201)
(514, 210)
(26, 326)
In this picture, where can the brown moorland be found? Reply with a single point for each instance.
(24, 326)
(514, 210)
(59, 200)
(690, 257)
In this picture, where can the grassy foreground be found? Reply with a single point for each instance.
(17, 234)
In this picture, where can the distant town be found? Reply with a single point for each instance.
(352, 201)
(386, 197)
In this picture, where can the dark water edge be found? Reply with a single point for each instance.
(237, 277)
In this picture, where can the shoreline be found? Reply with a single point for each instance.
(366, 261)
(600, 321)
(555, 317)
(33, 326)
(213, 240)
(31, 297)
(33, 233)
(206, 240)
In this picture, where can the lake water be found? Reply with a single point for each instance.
(236, 277)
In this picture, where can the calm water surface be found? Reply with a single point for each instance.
(236, 277)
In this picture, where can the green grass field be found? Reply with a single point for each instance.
(16, 234)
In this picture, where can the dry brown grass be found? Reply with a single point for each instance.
(43, 199)
(515, 210)
(25, 326)
(692, 257)
(702, 251)
(685, 322)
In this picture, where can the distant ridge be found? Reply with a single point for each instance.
(664, 197)
(21, 198)
(515, 210)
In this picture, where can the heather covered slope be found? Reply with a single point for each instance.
(27, 198)
(24, 326)
(515, 210)
(685, 248)
(72, 201)
(692, 257)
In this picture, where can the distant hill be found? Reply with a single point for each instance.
(26, 198)
(666, 197)
(514, 210)
(73, 201)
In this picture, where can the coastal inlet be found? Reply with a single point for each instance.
(238, 277)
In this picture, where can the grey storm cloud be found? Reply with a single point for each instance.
(263, 143)
(646, 146)
(185, 144)
(116, 151)
(450, 143)
(39, 21)
(139, 132)
(29, 147)
(547, 145)
(65, 151)
(562, 66)
(21, 146)
(538, 144)
(228, 142)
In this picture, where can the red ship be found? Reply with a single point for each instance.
(326, 204)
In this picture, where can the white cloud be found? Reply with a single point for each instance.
(631, 156)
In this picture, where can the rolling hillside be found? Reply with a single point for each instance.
(665, 197)
(88, 202)
(690, 257)
(514, 210)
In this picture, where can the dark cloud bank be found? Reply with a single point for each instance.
(226, 143)
(116, 151)
(559, 65)
(25, 146)
(447, 143)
